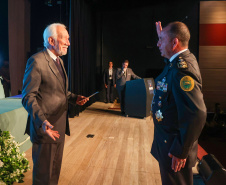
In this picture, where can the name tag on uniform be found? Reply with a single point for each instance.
(161, 86)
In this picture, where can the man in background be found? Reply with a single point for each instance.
(45, 97)
(178, 108)
(109, 82)
(4, 73)
(123, 75)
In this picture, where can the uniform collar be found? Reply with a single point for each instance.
(176, 54)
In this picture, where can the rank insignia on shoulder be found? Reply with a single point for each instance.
(187, 83)
(182, 64)
(158, 115)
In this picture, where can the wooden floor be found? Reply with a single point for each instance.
(118, 154)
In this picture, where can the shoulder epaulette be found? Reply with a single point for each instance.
(182, 64)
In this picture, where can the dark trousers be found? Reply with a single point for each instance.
(183, 177)
(47, 159)
(109, 91)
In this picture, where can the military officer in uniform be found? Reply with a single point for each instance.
(178, 108)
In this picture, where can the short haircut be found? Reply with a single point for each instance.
(179, 30)
(51, 31)
(126, 61)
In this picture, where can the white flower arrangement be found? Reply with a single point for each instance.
(12, 163)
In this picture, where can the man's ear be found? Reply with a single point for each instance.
(175, 43)
(51, 41)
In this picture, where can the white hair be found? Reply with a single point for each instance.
(51, 31)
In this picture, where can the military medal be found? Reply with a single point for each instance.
(164, 88)
(159, 85)
(159, 103)
(158, 115)
(164, 80)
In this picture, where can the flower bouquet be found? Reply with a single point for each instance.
(12, 163)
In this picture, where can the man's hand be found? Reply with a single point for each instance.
(158, 28)
(177, 163)
(115, 86)
(81, 100)
(47, 128)
(106, 86)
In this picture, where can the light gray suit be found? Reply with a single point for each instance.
(45, 97)
(121, 83)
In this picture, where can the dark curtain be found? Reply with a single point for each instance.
(82, 53)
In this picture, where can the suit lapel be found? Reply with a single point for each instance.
(54, 69)
(107, 73)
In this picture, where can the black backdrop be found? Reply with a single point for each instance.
(130, 33)
(127, 31)
(79, 63)
(4, 45)
(101, 31)
(82, 52)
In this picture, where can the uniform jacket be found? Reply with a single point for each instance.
(44, 95)
(179, 101)
(106, 76)
(121, 78)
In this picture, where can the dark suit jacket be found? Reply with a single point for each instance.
(106, 76)
(45, 96)
(121, 78)
(184, 112)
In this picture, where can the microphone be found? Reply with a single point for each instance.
(186, 17)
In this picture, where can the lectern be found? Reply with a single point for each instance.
(138, 97)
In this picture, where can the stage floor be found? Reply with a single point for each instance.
(118, 154)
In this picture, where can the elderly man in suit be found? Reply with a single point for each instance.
(45, 97)
(179, 111)
(123, 75)
(109, 82)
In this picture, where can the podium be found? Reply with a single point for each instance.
(138, 97)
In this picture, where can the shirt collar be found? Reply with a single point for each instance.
(54, 57)
(176, 54)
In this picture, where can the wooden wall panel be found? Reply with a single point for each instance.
(213, 97)
(212, 12)
(214, 79)
(212, 57)
(208, 30)
(212, 53)
(19, 41)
